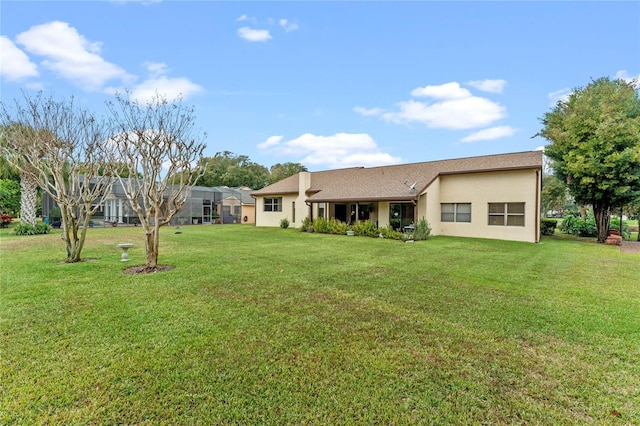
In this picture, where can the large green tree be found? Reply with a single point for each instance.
(281, 171)
(595, 146)
(229, 169)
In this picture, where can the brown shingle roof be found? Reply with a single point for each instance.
(388, 182)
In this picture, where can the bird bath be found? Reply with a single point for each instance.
(125, 247)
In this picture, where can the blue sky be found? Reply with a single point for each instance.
(328, 84)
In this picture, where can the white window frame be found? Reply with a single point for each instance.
(272, 204)
(458, 216)
(511, 214)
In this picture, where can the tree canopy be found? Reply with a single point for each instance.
(9, 196)
(284, 170)
(228, 169)
(554, 195)
(595, 145)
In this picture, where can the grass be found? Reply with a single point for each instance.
(273, 326)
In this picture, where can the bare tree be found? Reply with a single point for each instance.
(61, 147)
(162, 153)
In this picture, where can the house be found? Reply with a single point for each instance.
(204, 205)
(494, 196)
(237, 205)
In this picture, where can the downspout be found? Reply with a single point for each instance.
(310, 205)
(538, 189)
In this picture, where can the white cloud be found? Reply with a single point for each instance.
(444, 91)
(271, 141)
(70, 55)
(624, 75)
(454, 108)
(491, 86)
(156, 68)
(159, 83)
(250, 34)
(242, 17)
(490, 134)
(456, 114)
(336, 151)
(561, 95)
(369, 111)
(287, 25)
(15, 65)
(172, 88)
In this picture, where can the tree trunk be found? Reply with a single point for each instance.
(602, 213)
(28, 199)
(73, 244)
(621, 216)
(151, 243)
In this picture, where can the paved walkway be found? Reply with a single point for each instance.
(630, 247)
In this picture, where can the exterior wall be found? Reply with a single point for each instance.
(273, 218)
(295, 218)
(480, 189)
(432, 206)
(249, 212)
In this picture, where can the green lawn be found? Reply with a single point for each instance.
(273, 326)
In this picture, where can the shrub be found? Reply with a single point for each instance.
(307, 226)
(574, 225)
(548, 226)
(43, 228)
(365, 229)
(26, 229)
(389, 232)
(321, 225)
(5, 220)
(337, 227)
(284, 223)
(422, 231)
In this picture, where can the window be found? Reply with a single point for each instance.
(401, 215)
(506, 214)
(321, 209)
(273, 204)
(455, 212)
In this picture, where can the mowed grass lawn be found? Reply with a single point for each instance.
(273, 326)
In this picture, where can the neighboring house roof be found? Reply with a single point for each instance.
(394, 182)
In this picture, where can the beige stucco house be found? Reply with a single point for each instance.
(494, 196)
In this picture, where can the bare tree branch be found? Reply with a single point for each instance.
(63, 147)
(162, 152)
